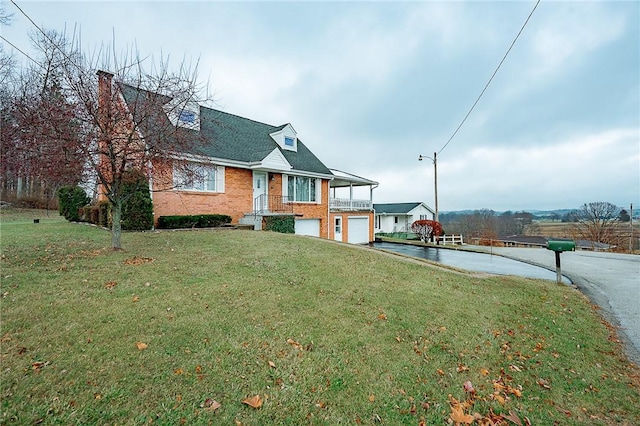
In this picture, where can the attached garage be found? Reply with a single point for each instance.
(309, 227)
(358, 229)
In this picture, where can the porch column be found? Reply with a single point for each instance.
(350, 196)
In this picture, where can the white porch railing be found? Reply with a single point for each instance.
(349, 204)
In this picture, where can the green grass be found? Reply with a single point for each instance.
(325, 333)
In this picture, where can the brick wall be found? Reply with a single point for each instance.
(235, 201)
(345, 223)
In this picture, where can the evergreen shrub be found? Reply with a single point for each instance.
(193, 221)
(70, 200)
(137, 208)
(282, 224)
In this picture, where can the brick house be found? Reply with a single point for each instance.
(250, 171)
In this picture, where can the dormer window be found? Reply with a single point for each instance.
(183, 114)
(187, 117)
(286, 138)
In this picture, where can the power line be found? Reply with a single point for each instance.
(491, 79)
(53, 42)
(20, 50)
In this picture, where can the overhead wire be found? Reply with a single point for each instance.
(490, 79)
(21, 51)
(53, 42)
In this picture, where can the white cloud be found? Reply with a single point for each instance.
(574, 30)
(568, 172)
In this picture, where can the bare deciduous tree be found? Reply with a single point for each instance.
(597, 222)
(39, 144)
(121, 119)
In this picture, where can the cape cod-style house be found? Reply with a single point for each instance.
(252, 170)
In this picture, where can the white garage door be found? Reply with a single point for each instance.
(309, 227)
(358, 229)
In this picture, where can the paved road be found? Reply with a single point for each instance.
(610, 280)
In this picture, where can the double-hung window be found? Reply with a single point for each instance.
(198, 177)
(302, 189)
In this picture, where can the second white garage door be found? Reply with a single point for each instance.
(309, 227)
(358, 228)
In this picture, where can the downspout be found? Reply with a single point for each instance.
(329, 208)
(371, 188)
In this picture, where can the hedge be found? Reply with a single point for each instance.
(193, 221)
(70, 200)
(282, 224)
(137, 208)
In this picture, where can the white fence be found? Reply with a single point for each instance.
(451, 239)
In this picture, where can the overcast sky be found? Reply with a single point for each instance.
(369, 86)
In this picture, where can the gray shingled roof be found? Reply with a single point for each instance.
(231, 137)
(395, 208)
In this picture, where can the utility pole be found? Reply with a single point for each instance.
(631, 228)
(435, 180)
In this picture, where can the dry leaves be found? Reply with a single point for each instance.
(294, 344)
(254, 401)
(110, 285)
(141, 346)
(137, 260)
(210, 405)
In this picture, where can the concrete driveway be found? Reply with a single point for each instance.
(609, 280)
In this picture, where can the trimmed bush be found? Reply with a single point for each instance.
(104, 214)
(282, 224)
(193, 221)
(137, 209)
(70, 200)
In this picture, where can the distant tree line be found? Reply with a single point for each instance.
(598, 222)
(485, 223)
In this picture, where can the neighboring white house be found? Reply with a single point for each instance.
(398, 217)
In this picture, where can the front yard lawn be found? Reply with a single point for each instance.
(182, 327)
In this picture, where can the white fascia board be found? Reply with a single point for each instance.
(309, 174)
(274, 161)
(211, 160)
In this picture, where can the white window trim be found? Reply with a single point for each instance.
(285, 189)
(219, 179)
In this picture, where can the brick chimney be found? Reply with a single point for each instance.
(105, 105)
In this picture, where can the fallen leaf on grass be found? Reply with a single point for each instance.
(461, 367)
(141, 346)
(178, 371)
(484, 371)
(468, 387)
(294, 344)
(38, 365)
(513, 417)
(110, 285)
(210, 405)
(137, 260)
(372, 398)
(458, 416)
(136, 298)
(544, 383)
(254, 401)
(272, 364)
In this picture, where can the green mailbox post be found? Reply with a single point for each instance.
(558, 246)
